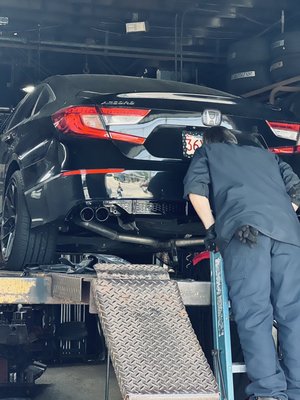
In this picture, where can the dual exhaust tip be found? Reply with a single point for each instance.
(87, 214)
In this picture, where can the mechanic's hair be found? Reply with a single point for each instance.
(219, 134)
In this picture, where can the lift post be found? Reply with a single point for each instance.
(62, 288)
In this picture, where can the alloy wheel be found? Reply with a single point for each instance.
(9, 220)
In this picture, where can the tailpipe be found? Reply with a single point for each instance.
(87, 214)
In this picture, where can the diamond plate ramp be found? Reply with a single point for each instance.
(153, 347)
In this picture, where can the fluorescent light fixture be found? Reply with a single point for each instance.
(3, 20)
(137, 27)
(28, 89)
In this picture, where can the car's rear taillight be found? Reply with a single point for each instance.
(285, 130)
(122, 116)
(83, 120)
(95, 122)
(285, 149)
(113, 116)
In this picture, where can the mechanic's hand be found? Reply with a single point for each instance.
(247, 235)
(294, 194)
(210, 239)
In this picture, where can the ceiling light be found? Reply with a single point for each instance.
(28, 89)
(215, 22)
(137, 27)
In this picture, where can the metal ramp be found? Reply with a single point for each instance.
(154, 350)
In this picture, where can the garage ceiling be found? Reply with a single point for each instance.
(45, 37)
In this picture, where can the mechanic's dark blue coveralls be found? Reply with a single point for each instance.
(250, 185)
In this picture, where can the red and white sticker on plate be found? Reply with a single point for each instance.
(191, 141)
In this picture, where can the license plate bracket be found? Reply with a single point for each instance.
(191, 141)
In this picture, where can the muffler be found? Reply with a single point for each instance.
(148, 241)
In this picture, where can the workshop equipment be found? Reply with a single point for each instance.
(222, 352)
(153, 347)
(154, 350)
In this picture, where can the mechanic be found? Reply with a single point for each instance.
(254, 196)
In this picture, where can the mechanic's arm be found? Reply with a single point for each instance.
(291, 181)
(202, 207)
(196, 188)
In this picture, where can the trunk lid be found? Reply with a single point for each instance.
(172, 125)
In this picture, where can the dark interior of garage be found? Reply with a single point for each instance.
(190, 41)
(118, 95)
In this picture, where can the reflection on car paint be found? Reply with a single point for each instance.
(181, 96)
(143, 185)
(85, 188)
(129, 184)
(36, 194)
(34, 149)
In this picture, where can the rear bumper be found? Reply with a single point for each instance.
(53, 201)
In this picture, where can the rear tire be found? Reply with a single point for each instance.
(285, 44)
(21, 245)
(285, 67)
(248, 52)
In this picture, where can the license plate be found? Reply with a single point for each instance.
(191, 141)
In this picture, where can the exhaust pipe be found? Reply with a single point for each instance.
(102, 214)
(87, 214)
(113, 235)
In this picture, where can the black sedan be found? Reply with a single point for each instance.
(96, 163)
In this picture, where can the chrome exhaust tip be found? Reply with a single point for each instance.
(87, 214)
(102, 214)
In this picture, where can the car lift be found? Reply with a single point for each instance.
(150, 341)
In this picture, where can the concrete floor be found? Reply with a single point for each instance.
(77, 382)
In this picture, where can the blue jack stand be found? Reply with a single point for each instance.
(221, 328)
